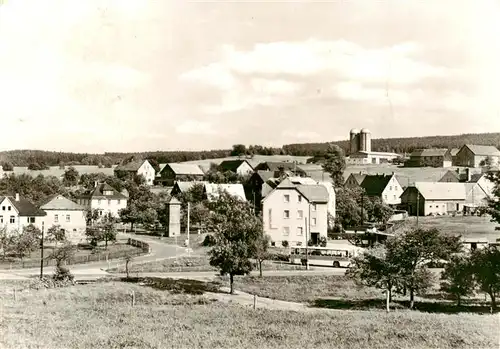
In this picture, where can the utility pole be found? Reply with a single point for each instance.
(362, 208)
(41, 252)
(307, 252)
(189, 209)
(418, 205)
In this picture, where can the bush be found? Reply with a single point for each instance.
(63, 274)
(209, 241)
(284, 243)
(281, 257)
(322, 241)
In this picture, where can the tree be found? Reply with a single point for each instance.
(334, 164)
(376, 267)
(236, 230)
(486, 162)
(458, 277)
(7, 166)
(378, 211)
(62, 255)
(349, 212)
(261, 250)
(70, 177)
(103, 231)
(494, 201)
(6, 241)
(238, 150)
(28, 240)
(486, 269)
(56, 233)
(414, 249)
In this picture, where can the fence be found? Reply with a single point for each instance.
(96, 257)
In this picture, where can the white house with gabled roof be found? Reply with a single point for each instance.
(105, 199)
(66, 214)
(17, 212)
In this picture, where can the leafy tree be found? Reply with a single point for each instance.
(6, 241)
(62, 255)
(458, 277)
(334, 164)
(376, 267)
(91, 216)
(236, 230)
(378, 211)
(487, 162)
(56, 233)
(414, 249)
(28, 240)
(322, 241)
(70, 177)
(128, 259)
(105, 231)
(142, 207)
(494, 202)
(486, 269)
(349, 212)
(238, 150)
(7, 166)
(262, 250)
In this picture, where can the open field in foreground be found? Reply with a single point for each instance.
(101, 316)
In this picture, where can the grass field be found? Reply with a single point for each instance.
(194, 263)
(101, 316)
(467, 226)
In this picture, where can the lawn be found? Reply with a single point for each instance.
(34, 257)
(467, 226)
(193, 263)
(339, 292)
(101, 316)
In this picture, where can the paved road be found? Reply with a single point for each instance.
(159, 251)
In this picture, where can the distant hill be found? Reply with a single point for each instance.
(401, 145)
(43, 159)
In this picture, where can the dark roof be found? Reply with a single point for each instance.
(450, 173)
(275, 166)
(374, 185)
(358, 177)
(132, 166)
(24, 207)
(231, 165)
(474, 178)
(263, 175)
(98, 192)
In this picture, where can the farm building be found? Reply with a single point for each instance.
(179, 172)
(474, 155)
(430, 157)
(434, 198)
(240, 167)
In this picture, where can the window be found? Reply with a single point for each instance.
(109, 202)
(119, 201)
(286, 214)
(313, 207)
(68, 218)
(313, 221)
(12, 219)
(1, 219)
(270, 218)
(385, 197)
(3, 208)
(286, 231)
(56, 218)
(394, 197)
(273, 244)
(300, 214)
(390, 188)
(8, 208)
(286, 198)
(299, 198)
(300, 231)
(99, 201)
(31, 219)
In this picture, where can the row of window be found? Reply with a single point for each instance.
(56, 218)
(286, 231)
(286, 198)
(109, 201)
(385, 197)
(12, 219)
(6, 207)
(300, 215)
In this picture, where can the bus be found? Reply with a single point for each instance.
(321, 256)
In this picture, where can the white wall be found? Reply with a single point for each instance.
(392, 192)
(108, 205)
(72, 221)
(147, 171)
(244, 169)
(274, 221)
(18, 221)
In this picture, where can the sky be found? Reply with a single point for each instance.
(139, 75)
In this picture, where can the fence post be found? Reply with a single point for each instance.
(133, 298)
(254, 301)
(15, 295)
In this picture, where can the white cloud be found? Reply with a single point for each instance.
(357, 92)
(195, 127)
(302, 135)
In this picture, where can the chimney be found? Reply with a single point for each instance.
(468, 174)
(17, 196)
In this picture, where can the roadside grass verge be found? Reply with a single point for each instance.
(193, 263)
(101, 316)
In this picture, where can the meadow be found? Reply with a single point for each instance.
(102, 316)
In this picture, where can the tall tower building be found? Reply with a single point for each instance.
(365, 140)
(354, 141)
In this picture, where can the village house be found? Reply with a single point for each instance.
(211, 191)
(66, 214)
(474, 155)
(434, 198)
(140, 168)
(103, 198)
(296, 213)
(354, 180)
(256, 188)
(454, 152)
(430, 157)
(17, 212)
(385, 187)
(179, 172)
(240, 167)
(183, 187)
(281, 167)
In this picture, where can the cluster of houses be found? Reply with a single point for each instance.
(468, 155)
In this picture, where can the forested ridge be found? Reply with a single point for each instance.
(41, 159)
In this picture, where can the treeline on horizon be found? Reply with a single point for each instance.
(40, 159)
